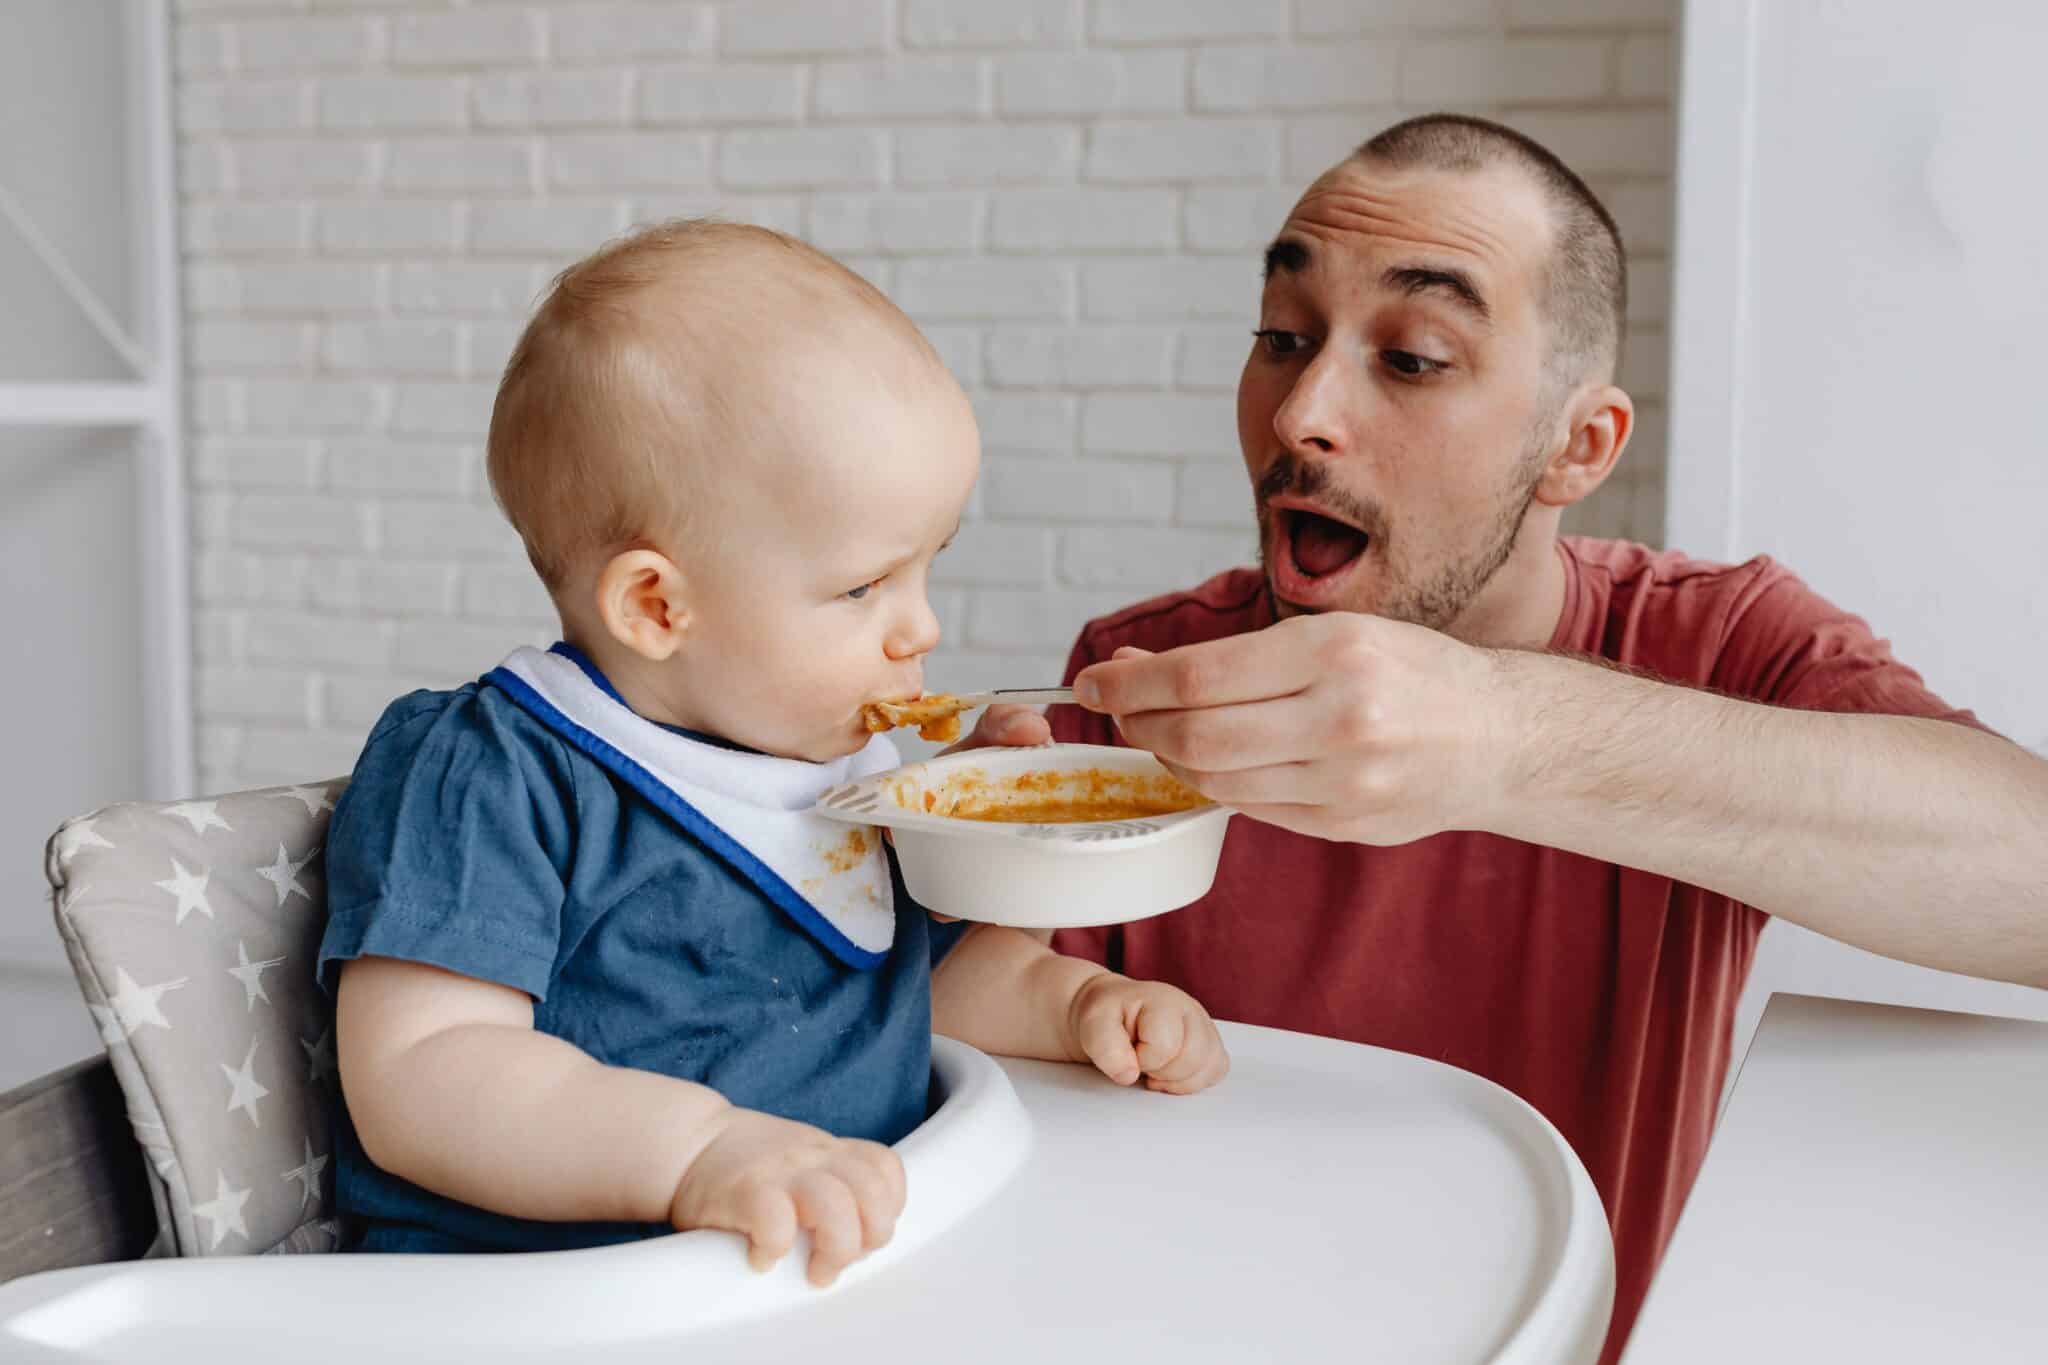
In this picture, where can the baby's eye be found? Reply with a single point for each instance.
(862, 591)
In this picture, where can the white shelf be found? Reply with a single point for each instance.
(143, 329)
(75, 404)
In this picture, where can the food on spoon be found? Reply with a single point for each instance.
(936, 716)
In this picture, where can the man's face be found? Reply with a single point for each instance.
(1391, 410)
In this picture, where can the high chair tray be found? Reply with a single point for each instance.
(1325, 1200)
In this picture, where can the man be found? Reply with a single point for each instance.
(1518, 802)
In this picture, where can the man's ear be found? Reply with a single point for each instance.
(641, 600)
(1598, 419)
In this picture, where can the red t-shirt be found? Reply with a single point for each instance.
(1602, 995)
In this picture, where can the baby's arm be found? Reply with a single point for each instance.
(1004, 991)
(450, 1087)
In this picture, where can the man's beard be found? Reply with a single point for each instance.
(1442, 596)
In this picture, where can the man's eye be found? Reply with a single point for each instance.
(1410, 365)
(1278, 342)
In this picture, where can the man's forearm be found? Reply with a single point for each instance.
(1005, 992)
(525, 1124)
(1919, 839)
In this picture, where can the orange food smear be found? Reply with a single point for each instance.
(1070, 796)
(849, 852)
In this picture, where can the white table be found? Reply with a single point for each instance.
(1326, 1201)
(1877, 1191)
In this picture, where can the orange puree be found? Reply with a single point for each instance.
(1061, 797)
(937, 716)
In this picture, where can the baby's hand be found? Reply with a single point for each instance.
(1146, 1028)
(1006, 725)
(765, 1177)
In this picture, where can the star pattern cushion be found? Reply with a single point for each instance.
(192, 928)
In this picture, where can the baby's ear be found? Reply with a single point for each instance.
(642, 602)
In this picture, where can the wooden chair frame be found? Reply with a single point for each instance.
(73, 1190)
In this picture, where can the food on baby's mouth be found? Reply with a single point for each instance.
(936, 716)
(1071, 796)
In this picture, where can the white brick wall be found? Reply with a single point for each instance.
(1068, 194)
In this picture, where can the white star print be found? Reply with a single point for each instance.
(189, 888)
(250, 974)
(308, 1175)
(247, 1089)
(224, 1211)
(80, 834)
(315, 799)
(133, 1005)
(320, 1055)
(284, 874)
(201, 815)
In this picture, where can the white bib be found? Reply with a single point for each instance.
(752, 810)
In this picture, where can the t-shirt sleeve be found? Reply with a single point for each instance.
(1789, 646)
(946, 937)
(450, 847)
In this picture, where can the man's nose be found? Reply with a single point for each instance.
(915, 630)
(1312, 419)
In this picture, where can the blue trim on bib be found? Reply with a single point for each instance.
(609, 756)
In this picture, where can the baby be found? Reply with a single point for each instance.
(599, 973)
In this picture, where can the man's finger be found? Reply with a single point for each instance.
(1227, 738)
(1213, 673)
(1302, 819)
(1005, 725)
(1282, 783)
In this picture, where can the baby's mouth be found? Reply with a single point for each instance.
(1320, 546)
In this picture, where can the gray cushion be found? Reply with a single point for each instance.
(192, 927)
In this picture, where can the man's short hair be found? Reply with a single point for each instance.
(612, 381)
(1586, 293)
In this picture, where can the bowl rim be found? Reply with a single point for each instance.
(864, 802)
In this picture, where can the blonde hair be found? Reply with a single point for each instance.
(597, 399)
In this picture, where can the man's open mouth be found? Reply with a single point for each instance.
(1319, 545)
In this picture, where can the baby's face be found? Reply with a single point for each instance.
(810, 598)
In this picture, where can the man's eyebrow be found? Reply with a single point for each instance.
(1429, 279)
(1286, 254)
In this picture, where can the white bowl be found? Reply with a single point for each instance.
(1035, 876)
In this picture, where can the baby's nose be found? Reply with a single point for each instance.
(915, 632)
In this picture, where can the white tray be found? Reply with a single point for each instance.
(1326, 1200)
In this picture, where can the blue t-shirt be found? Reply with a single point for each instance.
(473, 838)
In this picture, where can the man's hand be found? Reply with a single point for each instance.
(1130, 1029)
(1006, 724)
(1344, 726)
(765, 1177)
